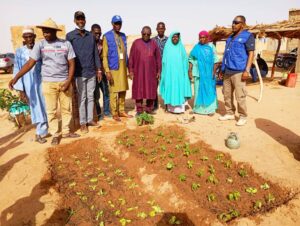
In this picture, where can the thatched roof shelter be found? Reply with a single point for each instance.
(279, 30)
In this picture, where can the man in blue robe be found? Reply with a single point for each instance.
(30, 86)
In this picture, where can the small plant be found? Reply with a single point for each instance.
(182, 177)
(234, 196)
(171, 155)
(231, 214)
(170, 165)
(251, 190)
(258, 205)
(190, 164)
(243, 173)
(269, 198)
(173, 221)
(204, 158)
(211, 197)
(195, 186)
(219, 157)
(144, 119)
(211, 169)
(228, 164)
(212, 179)
(265, 186)
(7, 99)
(200, 172)
(229, 180)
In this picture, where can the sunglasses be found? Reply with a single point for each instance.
(146, 34)
(235, 22)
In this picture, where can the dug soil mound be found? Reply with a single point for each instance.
(99, 187)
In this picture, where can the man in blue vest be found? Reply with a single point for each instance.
(115, 61)
(237, 60)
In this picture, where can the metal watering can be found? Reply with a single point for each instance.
(232, 141)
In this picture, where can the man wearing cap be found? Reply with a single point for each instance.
(87, 70)
(30, 85)
(57, 57)
(115, 62)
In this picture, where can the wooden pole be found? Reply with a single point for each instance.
(276, 54)
(298, 60)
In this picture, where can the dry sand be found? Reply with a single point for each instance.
(270, 142)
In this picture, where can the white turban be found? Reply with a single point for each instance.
(27, 30)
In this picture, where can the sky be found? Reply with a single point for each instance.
(189, 16)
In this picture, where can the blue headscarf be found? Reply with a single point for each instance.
(175, 86)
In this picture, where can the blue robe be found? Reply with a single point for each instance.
(31, 84)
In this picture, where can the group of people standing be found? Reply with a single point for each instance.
(92, 64)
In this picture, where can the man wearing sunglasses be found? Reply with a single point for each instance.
(115, 62)
(237, 60)
(30, 86)
(144, 68)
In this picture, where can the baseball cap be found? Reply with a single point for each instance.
(116, 19)
(79, 14)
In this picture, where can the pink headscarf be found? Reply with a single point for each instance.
(205, 33)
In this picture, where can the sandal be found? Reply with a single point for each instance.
(55, 141)
(40, 139)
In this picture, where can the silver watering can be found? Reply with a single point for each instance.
(232, 141)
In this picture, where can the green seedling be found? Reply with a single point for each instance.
(225, 217)
(265, 186)
(251, 190)
(152, 160)
(229, 180)
(101, 223)
(94, 180)
(160, 134)
(93, 187)
(120, 142)
(101, 174)
(234, 196)
(211, 197)
(186, 150)
(211, 169)
(195, 186)
(102, 192)
(154, 152)
(119, 172)
(117, 213)
(143, 151)
(122, 201)
(174, 221)
(212, 179)
(72, 184)
(142, 215)
(170, 165)
(178, 147)
(99, 215)
(243, 173)
(71, 213)
(190, 164)
(204, 158)
(171, 155)
(133, 185)
(132, 208)
(124, 221)
(111, 204)
(92, 207)
(155, 210)
(200, 172)
(163, 148)
(219, 157)
(142, 137)
(270, 198)
(182, 177)
(228, 164)
(258, 205)
(129, 143)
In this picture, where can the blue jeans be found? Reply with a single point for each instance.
(103, 85)
(42, 128)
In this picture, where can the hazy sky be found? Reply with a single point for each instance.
(189, 17)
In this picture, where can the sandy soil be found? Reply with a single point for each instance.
(270, 142)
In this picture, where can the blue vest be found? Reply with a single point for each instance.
(113, 56)
(235, 55)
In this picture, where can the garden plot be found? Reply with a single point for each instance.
(99, 188)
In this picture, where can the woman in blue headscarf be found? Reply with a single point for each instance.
(175, 86)
(202, 66)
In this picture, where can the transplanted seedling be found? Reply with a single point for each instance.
(124, 221)
(229, 180)
(258, 205)
(265, 186)
(182, 177)
(228, 164)
(195, 186)
(174, 221)
(204, 158)
(269, 198)
(243, 173)
(234, 196)
(231, 214)
(219, 157)
(251, 190)
(211, 197)
(200, 172)
(212, 179)
(211, 169)
(142, 215)
(170, 165)
(190, 164)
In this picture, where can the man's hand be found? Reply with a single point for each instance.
(99, 76)
(108, 76)
(245, 76)
(11, 83)
(23, 97)
(191, 75)
(131, 75)
(158, 76)
(64, 87)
